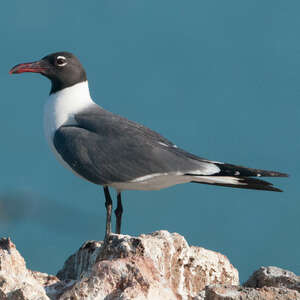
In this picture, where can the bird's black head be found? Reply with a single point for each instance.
(62, 68)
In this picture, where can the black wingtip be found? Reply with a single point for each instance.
(274, 189)
(284, 175)
(258, 184)
(272, 174)
(240, 171)
(242, 183)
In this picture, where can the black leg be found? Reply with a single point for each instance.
(118, 213)
(108, 205)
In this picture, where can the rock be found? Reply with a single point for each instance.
(273, 276)
(224, 292)
(16, 282)
(155, 266)
(158, 266)
(265, 283)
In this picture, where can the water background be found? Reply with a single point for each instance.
(218, 78)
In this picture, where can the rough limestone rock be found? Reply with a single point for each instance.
(158, 266)
(155, 266)
(224, 292)
(265, 283)
(16, 282)
(273, 276)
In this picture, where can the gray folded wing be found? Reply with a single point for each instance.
(106, 148)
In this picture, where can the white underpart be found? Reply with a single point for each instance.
(164, 180)
(60, 109)
(159, 181)
(152, 182)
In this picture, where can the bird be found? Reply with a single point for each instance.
(114, 152)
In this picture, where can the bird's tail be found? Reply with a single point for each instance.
(240, 177)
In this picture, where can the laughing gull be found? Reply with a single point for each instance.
(111, 151)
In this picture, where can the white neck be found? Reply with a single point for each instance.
(63, 105)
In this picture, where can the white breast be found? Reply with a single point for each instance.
(60, 109)
(63, 105)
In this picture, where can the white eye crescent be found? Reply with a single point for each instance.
(61, 61)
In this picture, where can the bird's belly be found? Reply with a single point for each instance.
(151, 182)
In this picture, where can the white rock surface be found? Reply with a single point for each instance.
(160, 265)
(16, 282)
(157, 266)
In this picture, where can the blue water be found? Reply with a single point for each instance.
(218, 78)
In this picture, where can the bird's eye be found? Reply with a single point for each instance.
(61, 61)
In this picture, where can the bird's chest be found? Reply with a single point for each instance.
(56, 115)
(61, 107)
(60, 110)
